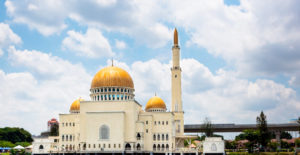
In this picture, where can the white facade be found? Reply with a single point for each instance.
(45, 145)
(213, 145)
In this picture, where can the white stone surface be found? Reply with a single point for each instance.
(213, 145)
(45, 145)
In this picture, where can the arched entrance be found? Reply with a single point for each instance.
(84, 146)
(41, 147)
(127, 146)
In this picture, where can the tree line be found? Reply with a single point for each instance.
(258, 140)
(10, 137)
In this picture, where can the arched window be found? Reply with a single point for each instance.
(70, 137)
(138, 136)
(138, 146)
(154, 147)
(104, 132)
(162, 147)
(41, 147)
(158, 147)
(62, 137)
(154, 137)
(167, 147)
(67, 138)
(162, 137)
(158, 137)
(167, 137)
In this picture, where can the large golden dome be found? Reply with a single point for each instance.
(155, 103)
(75, 106)
(112, 76)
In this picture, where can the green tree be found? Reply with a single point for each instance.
(230, 144)
(299, 124)
(207, 127)
(4, 143)
(241, 136)
(252, 136)
(54, 130)
(15, 135)
(264, 134)
(24, 144)
(297, 143)
(273, 146)
(284, 145)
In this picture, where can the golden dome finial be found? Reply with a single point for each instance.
(175, 37)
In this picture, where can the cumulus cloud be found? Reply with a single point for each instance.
(131, 18)
(244, 35)
(7, 37)
(255, 37)
(91, 44)
(46, 17)
(28, 97)
(225, 97)
(120, 44)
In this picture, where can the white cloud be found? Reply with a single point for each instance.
(91, 44)
(224, 97)
(46, 88)
(256, 38)
(46, 17)
(7, 37)
(120, 44)
(131, 18)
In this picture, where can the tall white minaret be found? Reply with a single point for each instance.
(176, 86)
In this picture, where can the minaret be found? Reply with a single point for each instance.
(176, 76)
(176, 87)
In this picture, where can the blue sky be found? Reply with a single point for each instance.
(238, 57)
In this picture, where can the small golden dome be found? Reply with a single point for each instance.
(155, 102)
(75, 106)
(112, 76)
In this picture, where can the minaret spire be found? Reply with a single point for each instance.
(175, 37)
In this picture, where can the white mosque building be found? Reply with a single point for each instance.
(113, 121)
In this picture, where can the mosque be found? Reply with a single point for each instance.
(113, 121)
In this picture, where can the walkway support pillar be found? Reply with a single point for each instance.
(277, 134)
